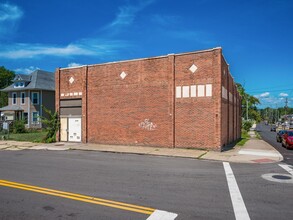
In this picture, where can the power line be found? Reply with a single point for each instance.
(264, 88)
(276, 90)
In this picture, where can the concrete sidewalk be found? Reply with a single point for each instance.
(254, 151)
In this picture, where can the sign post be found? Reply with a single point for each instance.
(6, 127)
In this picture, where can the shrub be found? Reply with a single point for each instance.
(52, 125)
(19, 127)
(246, 125)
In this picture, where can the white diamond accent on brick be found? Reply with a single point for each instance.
(193, 68)
(71, 80)
(123, 75)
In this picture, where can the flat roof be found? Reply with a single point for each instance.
(156, 57)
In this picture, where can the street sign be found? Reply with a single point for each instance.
(5, 126)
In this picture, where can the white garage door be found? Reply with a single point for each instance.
(74, 129)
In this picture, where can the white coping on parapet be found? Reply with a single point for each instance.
(148, 58)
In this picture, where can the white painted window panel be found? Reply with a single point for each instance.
(178, 91)
(230, 97)
(193, 91)
(200, 90)
(224, 93)
(185, 91)
(209, 89)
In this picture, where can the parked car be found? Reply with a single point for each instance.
(287, 139)
(279, 135)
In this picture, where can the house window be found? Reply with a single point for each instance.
(14, 96)
(25, 117)
(35, 98)
(35, 117)
(22, 98)
(18, 84)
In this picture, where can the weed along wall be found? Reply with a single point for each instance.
(167, 101)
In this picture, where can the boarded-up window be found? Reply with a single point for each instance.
(70, 103)
(70, 111)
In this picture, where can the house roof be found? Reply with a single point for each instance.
(37, 80)
(11, 108)
(22, 77)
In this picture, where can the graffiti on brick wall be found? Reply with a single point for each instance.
(147, 125)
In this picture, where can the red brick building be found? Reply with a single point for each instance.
(186, 100)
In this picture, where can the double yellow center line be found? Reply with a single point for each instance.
(79, 197)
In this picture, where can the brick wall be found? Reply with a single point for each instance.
(198, 116)
(168, 101)
(135, 110)
(231, 117)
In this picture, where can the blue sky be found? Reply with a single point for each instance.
(256, 36)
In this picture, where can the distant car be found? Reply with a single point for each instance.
(287, 139)
(279, 135)
(273, 128)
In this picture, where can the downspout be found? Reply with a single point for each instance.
(172, 56)
(86, 105)
(41, 107)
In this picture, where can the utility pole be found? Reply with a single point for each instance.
(277, 113)
(286, 105)
(246, 109)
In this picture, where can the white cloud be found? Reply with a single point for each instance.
(283, 94)
(265, 94)
(126, 15)
(9, 17)
(27, 70)
(74, 64)
(34, 50)
(165, 20)
(9, 12)
(86, 47)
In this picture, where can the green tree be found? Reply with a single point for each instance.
(249, 104)
(273, 115)
(6, 77)
(52, 124)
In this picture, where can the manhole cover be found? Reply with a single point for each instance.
(281, 177)
(278, 177)
(59, 144)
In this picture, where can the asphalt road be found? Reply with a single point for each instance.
(270, 137)
(194, 189)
